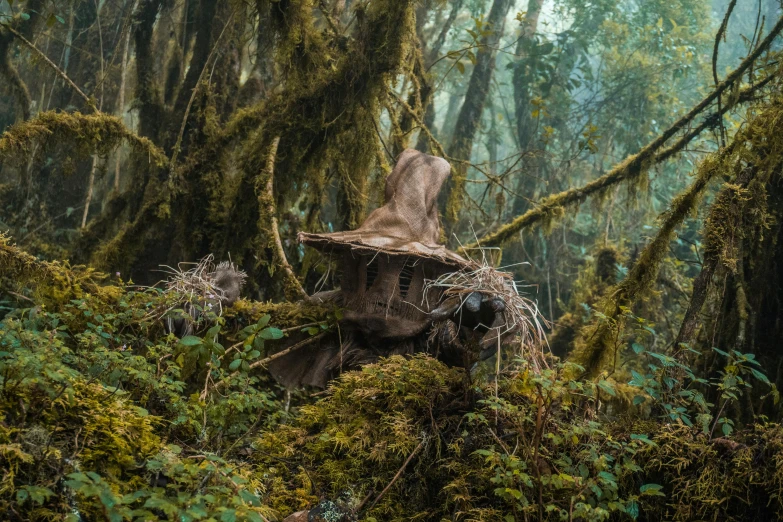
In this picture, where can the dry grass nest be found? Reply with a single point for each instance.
(200, 282)
(523, 320)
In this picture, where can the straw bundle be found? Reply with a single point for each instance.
(522, 318)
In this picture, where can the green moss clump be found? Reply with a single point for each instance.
(720, 479)
(410, 439)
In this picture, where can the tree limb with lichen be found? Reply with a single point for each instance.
(553, 206)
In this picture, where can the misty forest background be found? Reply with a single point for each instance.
(622, 158)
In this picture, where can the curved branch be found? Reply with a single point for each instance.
(16, 84)
(721, 34)
(292, 284)
(100, 131)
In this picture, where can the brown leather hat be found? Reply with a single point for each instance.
(407, 224)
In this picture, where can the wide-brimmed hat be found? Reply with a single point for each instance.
(407, 224)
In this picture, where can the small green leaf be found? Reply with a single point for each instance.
(235, 364)
(214, 331)
(191, 340)
(643, 438)
(653, 490)
(608, 387)
(725, 354)
(271, 333)
(760, 376)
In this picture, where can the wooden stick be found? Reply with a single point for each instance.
(393, 480)
(300, 344)
(90, 103)
(273, 357)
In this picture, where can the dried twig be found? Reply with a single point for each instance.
(394, 479)
(90, 103)
(198, 285)
(267, 360)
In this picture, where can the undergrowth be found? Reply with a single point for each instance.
(107, 416)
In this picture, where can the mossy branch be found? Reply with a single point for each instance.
(293, 288)
(554, 206)
(597, 340)
(94, 133)
(53, 283)
(759, 141)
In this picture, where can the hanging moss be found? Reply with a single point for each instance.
(325, 116)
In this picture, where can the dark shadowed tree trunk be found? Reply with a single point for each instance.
(148, 99)
(469, 118)
(524, 79)
(423, 143)
(522, 75)
(8, 72)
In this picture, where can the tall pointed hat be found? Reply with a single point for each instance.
(407, 224)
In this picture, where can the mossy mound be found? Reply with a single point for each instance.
(410, 439)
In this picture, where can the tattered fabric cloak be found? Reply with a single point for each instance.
(385, 264)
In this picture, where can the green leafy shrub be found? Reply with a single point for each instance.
(105, 416)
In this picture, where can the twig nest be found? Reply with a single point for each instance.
(206, 283)
(488, 301)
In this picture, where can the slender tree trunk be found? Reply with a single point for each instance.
(434, 51)
(149, 102)
(469, 118)
(417, 100)
(523, 75)
(523, 93)
(91, 180)
(90, 188)
(184, 39)
(121, 98)
(423, 143)
(205, 39)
